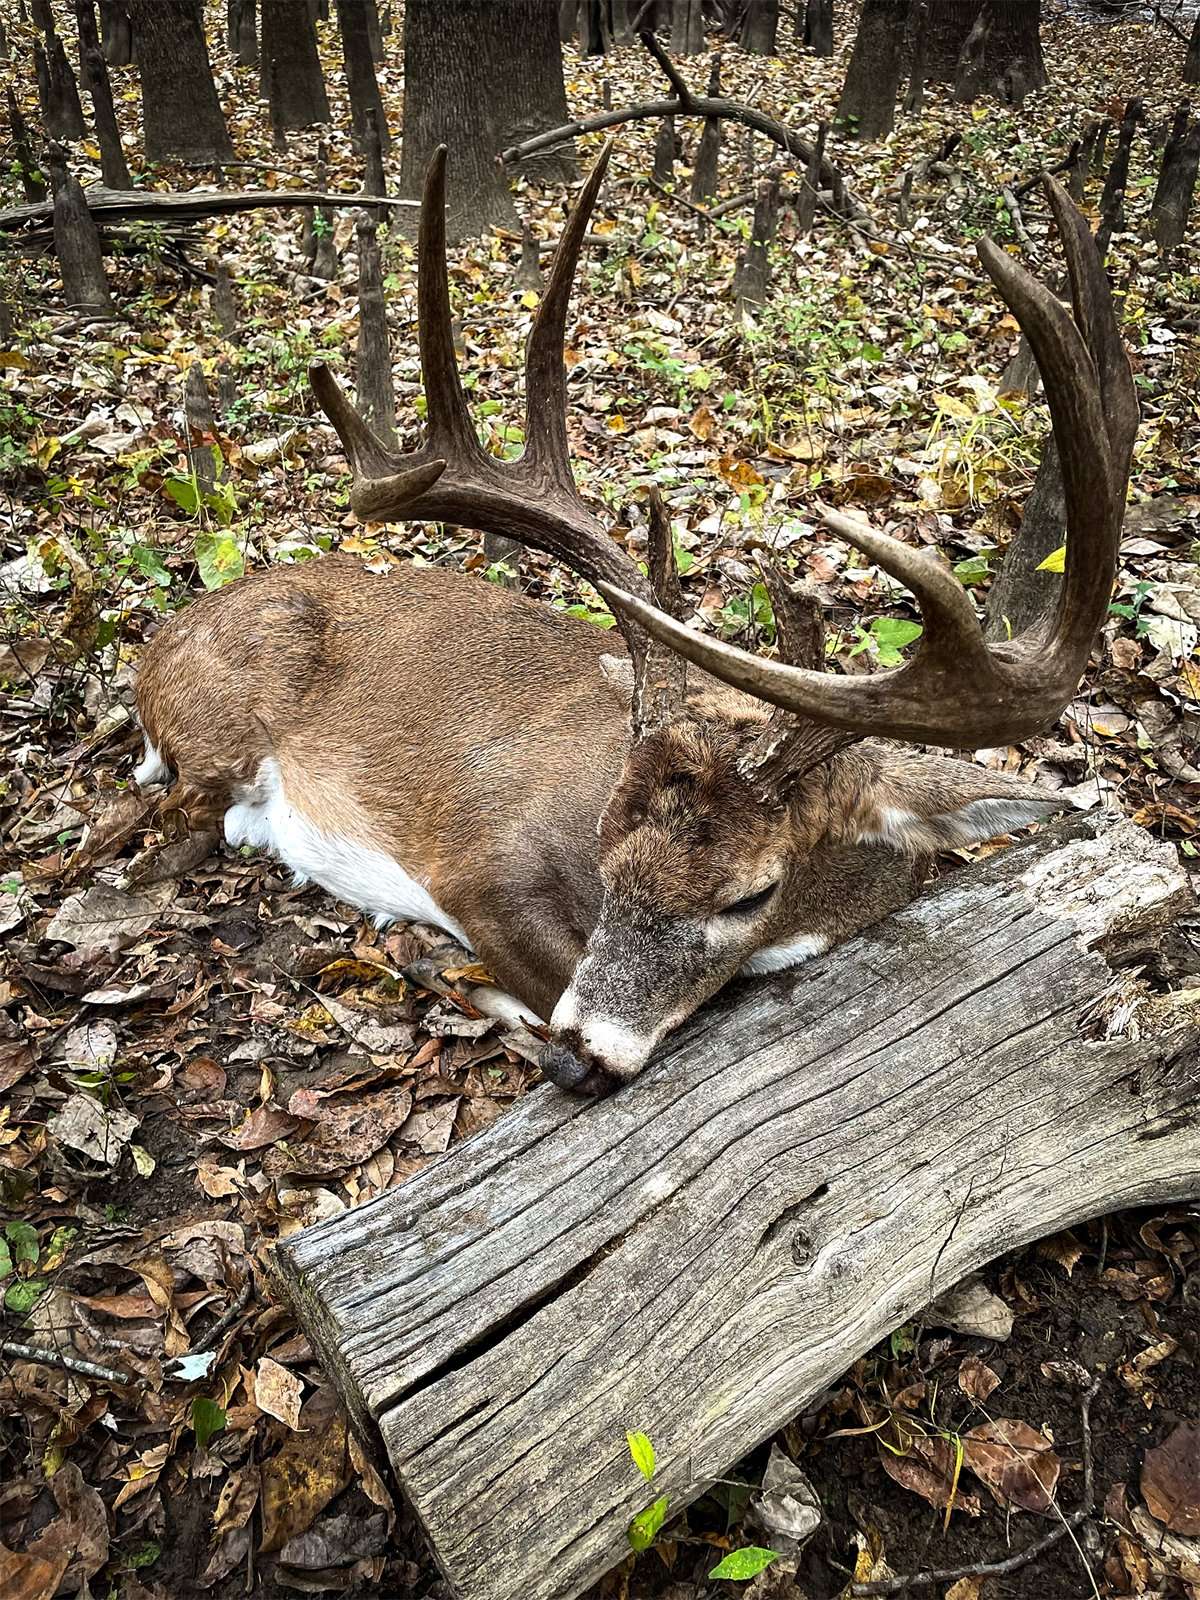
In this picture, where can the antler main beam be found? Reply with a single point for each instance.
(451, 478)
(956, 689)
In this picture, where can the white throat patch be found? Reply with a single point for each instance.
(774, 957)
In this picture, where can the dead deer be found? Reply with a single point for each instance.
(614, 837)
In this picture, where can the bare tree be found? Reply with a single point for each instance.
(181, 115)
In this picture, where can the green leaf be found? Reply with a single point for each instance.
(6, 1264)
(742, 1564)
(642, 1452)
(219, 559)
(207, 1419)
(891, 634)
(184, 492)
(20, 1298)
(1056, 561)
(142, 1160)
(644, 1527)
(24, 1242)
(973, 570)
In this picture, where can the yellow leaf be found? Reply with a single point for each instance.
(617, 423)
(14, 358)
(529, 299)
(953, 407)
(44, 450)
(1056, 561)
(92, 151)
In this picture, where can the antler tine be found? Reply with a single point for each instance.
(546, 444)
(448, 424)
(955, 689)
(799, 625)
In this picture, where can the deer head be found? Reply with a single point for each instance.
(741, 837)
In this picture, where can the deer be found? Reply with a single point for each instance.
(619, 827)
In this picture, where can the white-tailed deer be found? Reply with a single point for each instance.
(613, 838)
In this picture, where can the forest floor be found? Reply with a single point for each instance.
(196, 1058)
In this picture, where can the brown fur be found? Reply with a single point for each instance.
(481, 740)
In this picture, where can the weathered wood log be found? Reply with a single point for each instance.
(147, 205)
(808, 1163)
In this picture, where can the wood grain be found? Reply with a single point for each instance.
(810, 1161)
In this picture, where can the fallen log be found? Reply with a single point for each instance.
(152, 205)
(812, 1159)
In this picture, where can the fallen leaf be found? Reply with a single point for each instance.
(976, 1378)
(106, 919)
(1015, 1463)
(1171, 1479)
(927, 1468)
(79, 1532)
(277, 1391)
(300, 1480)
(337, 1541)
(28, 1577)
(96, 1131)
(262, 1126)
(970, 1307)
(786, 1505)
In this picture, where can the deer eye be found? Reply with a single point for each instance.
(751, 904)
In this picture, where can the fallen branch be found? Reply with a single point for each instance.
(55, 1358)
(148, 205)
(687, 104)
(1018, 221)
(1022, 1558)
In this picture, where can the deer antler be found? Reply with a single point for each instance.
(956, 689)
(451, 478)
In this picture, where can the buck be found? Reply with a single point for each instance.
(615, 836)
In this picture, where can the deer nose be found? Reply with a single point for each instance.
(563, 1067)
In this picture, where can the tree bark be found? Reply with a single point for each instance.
(77, 243)
(687, 27)
(1112, 201)
(806, 205)
(200, 429)
(243, 31)
(708, 150)
(181, 115)
(818, 26)
(114, 169)
(475, 73)
(752, 278)
(361, 82)
(32, 181)
(374, 179)
(376, 398)
(1002, 53)
(760, 27)
(1176, 187)
(807, 1164)
(292, 69)
(1191, 63)
(116, 33)
(62, 114)
(664, 151)
(867, 107)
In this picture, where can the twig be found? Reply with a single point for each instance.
(56, 1358)
(228, 1316)
(1013, 1563)
(1018, 221)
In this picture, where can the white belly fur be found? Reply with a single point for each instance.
(364, 877)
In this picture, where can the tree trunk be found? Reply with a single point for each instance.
(1176, 187)
(116, 33)
(1020, 594)
(808, 1163)
(818, 26)
(361, 82)
(760, 26)
(376, 399)
(200, 430)
(664, 151)
(1191, 63)
(58, 93)
(32, 181)
(295, 86)
(181, 115)
(947, 24)
(1112, 201)
(806, 205)
(374, 180)
(114, 169)
(752, 278)
(243, 42)
(687, 27)
(474, 76)
(867, 107)
(708, 150)
(1002, 53)
(77, 242)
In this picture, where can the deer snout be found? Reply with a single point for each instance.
(592, 1054)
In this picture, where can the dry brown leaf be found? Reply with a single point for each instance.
(965, 1589)
(264, 1125)
(79, 1532)
(1171, 1479)
(976, 1378)
(1015, 1462)
(277, 1391)
(927, 1469)
(29, 1577)
(302, 1478)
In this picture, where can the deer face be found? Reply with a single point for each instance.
(705, 877)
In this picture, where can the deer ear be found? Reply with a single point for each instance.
(617, 672)
(919, 804)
